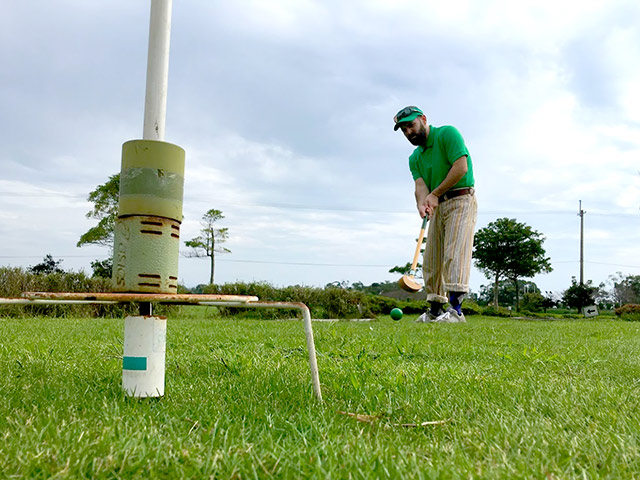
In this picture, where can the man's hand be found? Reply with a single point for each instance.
(422, 209)
(457, 171)
(431, 204)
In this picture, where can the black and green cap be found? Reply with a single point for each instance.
(407, 114)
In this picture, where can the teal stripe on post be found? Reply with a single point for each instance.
(134, 363)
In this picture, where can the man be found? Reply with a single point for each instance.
(443, 173)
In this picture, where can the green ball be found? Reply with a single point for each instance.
(396, 314)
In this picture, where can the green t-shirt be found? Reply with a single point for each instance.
(433, 161)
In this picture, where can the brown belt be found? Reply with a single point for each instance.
(456, 193)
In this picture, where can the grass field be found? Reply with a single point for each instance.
(512, 399)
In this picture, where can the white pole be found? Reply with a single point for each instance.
(143, 360)
(313, 363)
(155, 104)
(143, 363)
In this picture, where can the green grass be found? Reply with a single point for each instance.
(519, 399)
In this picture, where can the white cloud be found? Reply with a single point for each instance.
(284, 109)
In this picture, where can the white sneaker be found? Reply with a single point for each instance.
(429, 317)
(444, 318)
(456, 317)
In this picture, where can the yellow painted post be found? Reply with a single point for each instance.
(147, 231)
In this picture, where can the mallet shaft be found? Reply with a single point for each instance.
(420, 238)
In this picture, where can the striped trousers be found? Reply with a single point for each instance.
(446, 264)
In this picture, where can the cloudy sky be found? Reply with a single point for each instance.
(285, 107)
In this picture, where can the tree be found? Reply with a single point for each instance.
(549, 301)
(506, 292)
(532, 302)
(102, 268)
(207, 244)
(579, 295)
(47, 266)
(342, 284)
(511, 250)
(105, 209)
(602, 297)
(405, 269)
(626, 288)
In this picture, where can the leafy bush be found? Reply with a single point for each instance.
(542, 315)
(629, 312)
(15, 281)
(380, 305)
(499, 312)
(470, 307)
(532, 302)
(413, 306)
(340, 303)
(329, 302)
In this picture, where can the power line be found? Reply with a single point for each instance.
(293, 206)
(54, 256)
(303, 263)
(596, 263)
(309, 264)
(50, 194)
(285, 206)
(613, 264)
(217, 260)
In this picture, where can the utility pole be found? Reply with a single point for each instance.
(581, 215)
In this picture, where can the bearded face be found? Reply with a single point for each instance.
(416, 131)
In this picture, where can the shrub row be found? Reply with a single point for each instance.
(629, 312)
(328, 302)
(15, 281)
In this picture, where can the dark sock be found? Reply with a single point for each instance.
(436, 308)
(455, 299)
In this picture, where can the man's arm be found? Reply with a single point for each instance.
(422, 191)
(456, 172)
